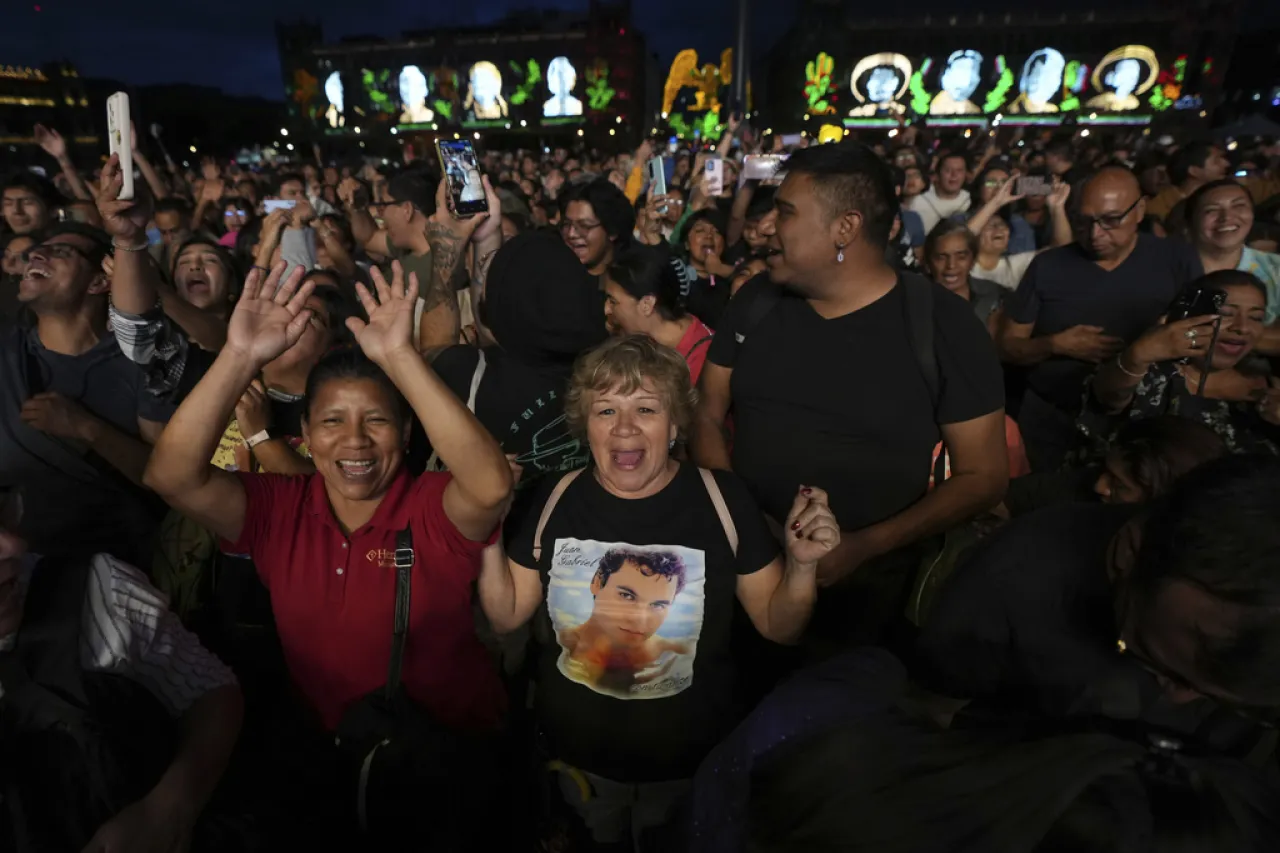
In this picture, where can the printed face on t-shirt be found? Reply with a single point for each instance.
(627, 618)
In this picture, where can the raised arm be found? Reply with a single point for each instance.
(1116, 380)
(262, 327)
(476, 497)
(1057, 202)
(738, 214)
(148, 171)
(363, 228)
(449, 238)
(56, 147)
(1004, 195)
(136, 282)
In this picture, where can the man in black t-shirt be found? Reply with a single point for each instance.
(1091, 610)
(829, 388)
(1080, 305)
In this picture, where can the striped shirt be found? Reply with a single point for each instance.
(126, 628)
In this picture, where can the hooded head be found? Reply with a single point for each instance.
(540, 303)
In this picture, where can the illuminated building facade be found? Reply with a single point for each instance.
(533, 73)
(1134, 65)
(52, 95)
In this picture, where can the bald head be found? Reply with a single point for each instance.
(1106, 220)
(1112, 180)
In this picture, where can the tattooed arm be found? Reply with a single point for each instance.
(449, 238)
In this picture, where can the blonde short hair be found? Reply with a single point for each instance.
(623, 364)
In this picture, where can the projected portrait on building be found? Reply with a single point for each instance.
(1041, 82)
(878, 82)
(413, 96)
(1123, 75)
(333, 93)
(959, 79)
(484, 92)
(562, 77)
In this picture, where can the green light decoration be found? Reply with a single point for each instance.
(710, 126)
(375, 84)
(532, 77)
(1074, 78)
(818, 84)
(999, 94)
(444, 109)
(679, 126)
(1168, 87)
(599, 92)
(920, 99)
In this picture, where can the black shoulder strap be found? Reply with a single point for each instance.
(404, 568)
(919, 310)
(764, 299)
(701, 342)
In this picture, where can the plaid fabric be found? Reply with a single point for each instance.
(154, 343)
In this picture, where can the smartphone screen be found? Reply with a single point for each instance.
(273, 204)
(460, 166)
(1033, 185)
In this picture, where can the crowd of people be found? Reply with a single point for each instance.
(919, 497)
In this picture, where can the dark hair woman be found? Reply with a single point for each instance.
(642, 297)
(596, 222)
(325, 545)
(1195, 368)
(949, 253)
(708, 287)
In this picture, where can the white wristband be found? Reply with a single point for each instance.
(256, 439)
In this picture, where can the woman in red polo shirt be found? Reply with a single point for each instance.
(324, 545)
(642, 297)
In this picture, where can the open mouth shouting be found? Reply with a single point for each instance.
(357, 470)
(627, 460)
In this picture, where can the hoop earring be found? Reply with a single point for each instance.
(839, 254)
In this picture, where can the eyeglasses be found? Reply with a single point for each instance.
(1107, 221)
(231, 213)
(583, 227)
(59, 251)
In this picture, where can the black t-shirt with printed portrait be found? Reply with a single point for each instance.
(843, 403)
(637, 682)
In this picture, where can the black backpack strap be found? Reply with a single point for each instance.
(760, 301)
(701, 342)
(918, 305)
(404, 568)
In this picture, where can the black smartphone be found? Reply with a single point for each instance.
(1196, 302)
(461, 168)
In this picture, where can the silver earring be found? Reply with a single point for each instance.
(839, 254)
(671, 445)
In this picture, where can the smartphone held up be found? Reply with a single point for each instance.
(120, 139)
(462, 171)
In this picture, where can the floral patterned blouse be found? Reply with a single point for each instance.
(1163, 391)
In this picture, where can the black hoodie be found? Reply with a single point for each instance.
(544, 310)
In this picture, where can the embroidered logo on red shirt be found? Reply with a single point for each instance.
(382, 557)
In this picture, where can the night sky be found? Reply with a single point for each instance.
(231, 43)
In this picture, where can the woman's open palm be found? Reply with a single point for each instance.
(390, 326)
(270, 316)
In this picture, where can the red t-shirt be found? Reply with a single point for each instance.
(334, 597)
(693, 346)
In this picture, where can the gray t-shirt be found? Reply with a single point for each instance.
(72, 498)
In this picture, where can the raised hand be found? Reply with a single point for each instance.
(490, 225)
(270, 316)
(1179, 339)
(209, 169)
(52, 142)
(126, 221)
(1059, 195)
(390, 326)
(812, 532)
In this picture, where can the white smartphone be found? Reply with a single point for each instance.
(715, 176)
(273, 204)
(119, 139)
(657, 181)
